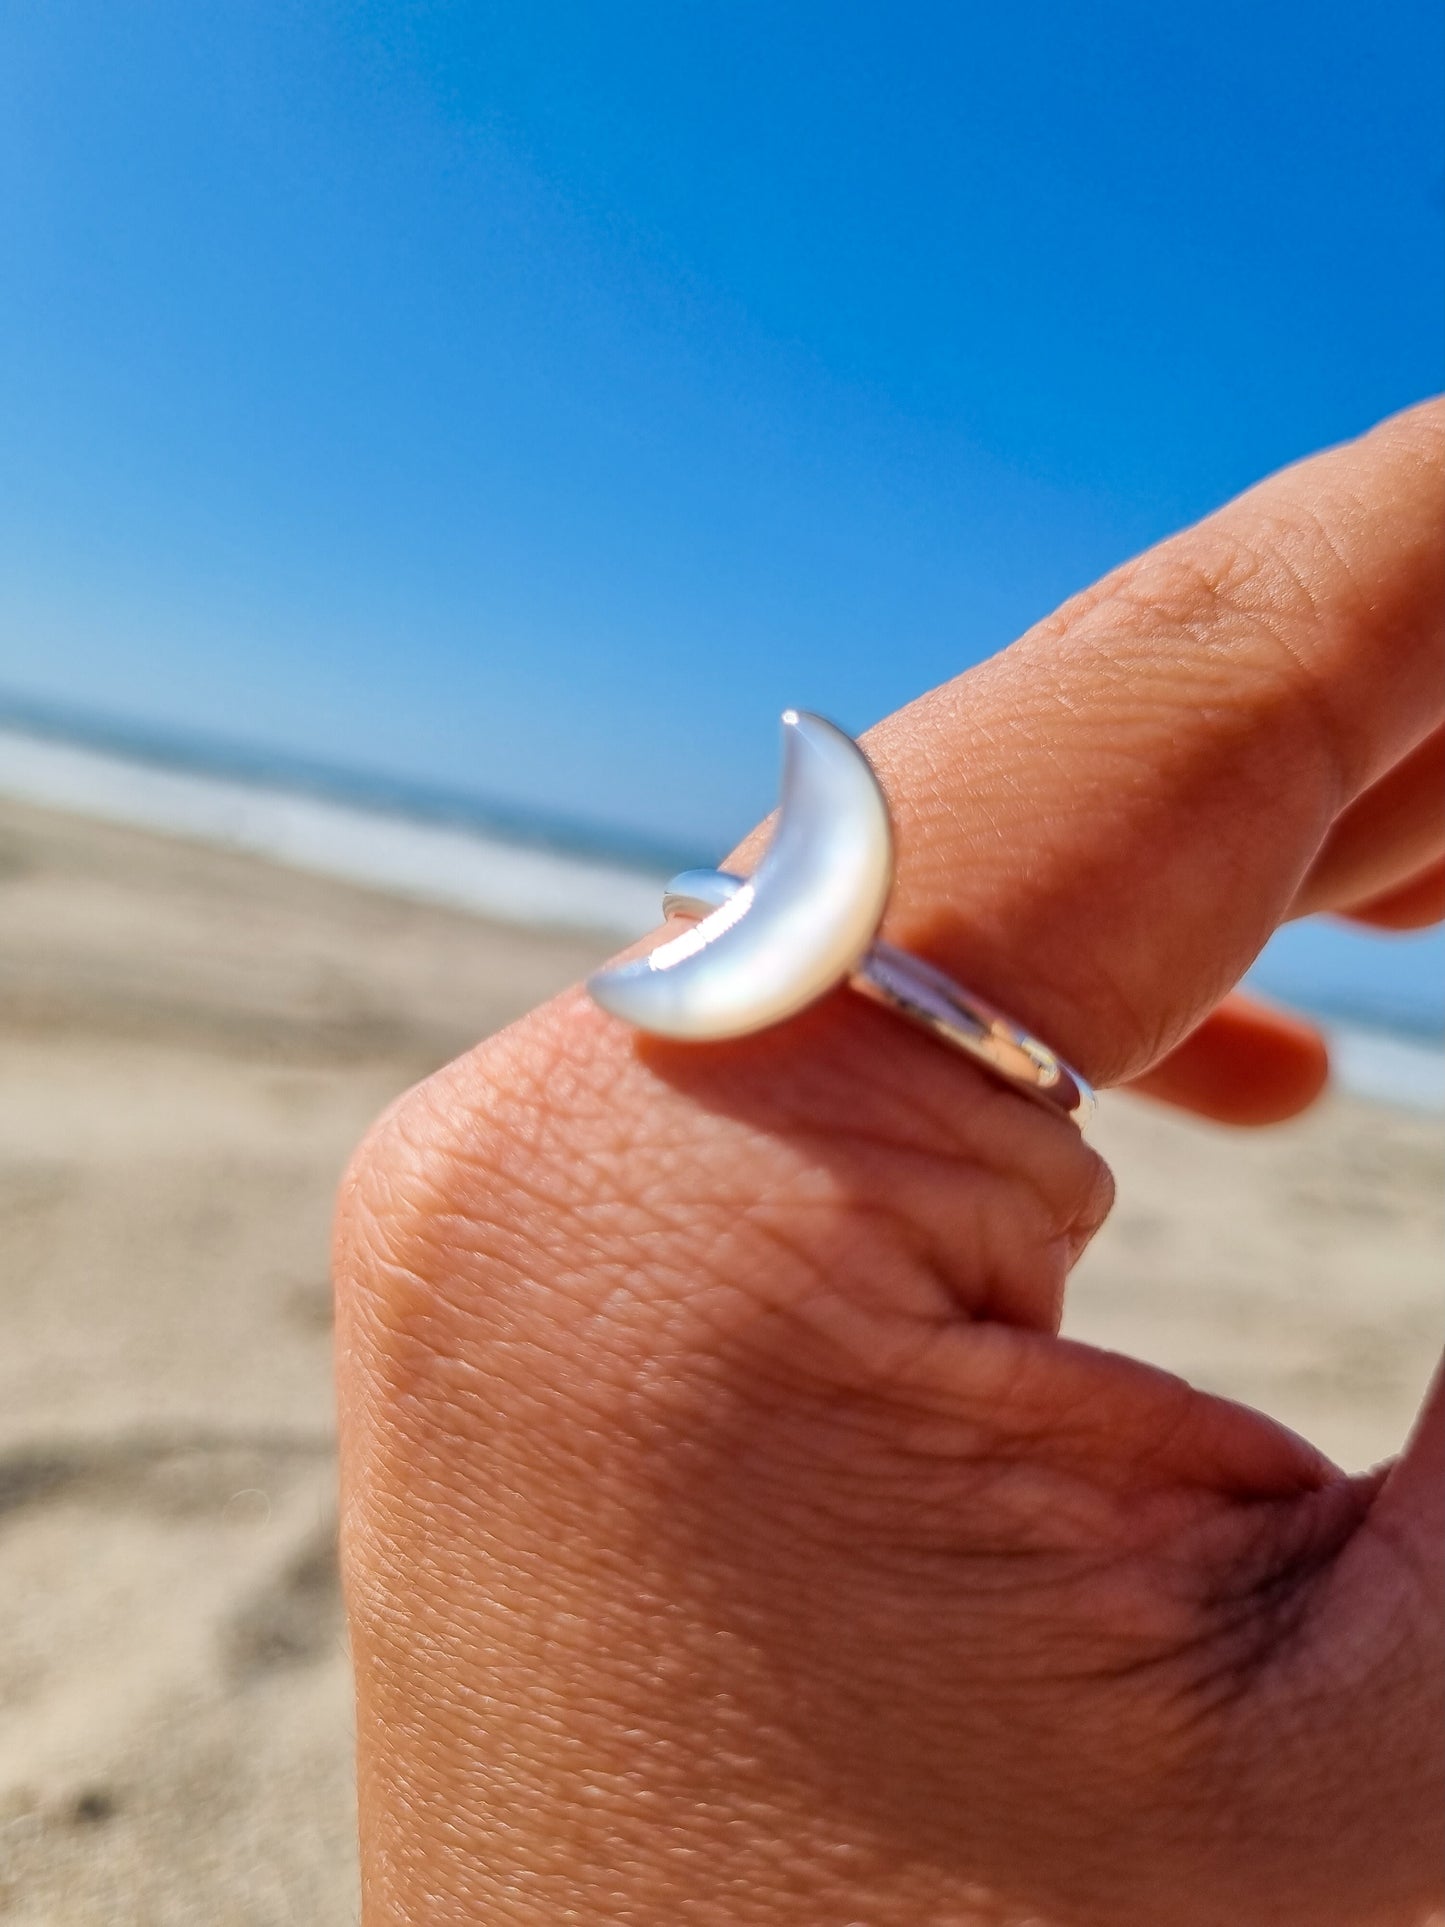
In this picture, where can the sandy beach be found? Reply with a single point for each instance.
(191, 1040)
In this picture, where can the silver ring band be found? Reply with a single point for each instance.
(806, 920)
(926, 996)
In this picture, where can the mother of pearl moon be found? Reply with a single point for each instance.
(798, 925)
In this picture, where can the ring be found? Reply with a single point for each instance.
(768, 945)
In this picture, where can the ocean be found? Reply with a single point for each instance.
(1384, 1021)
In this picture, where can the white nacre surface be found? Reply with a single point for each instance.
(796, 927)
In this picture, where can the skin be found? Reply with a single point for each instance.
(728, 1535)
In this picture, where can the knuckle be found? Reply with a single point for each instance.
(450, 1163)
(1236, 619)
(1184, 587)
(1191, 584)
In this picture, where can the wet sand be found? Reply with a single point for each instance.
(190, 1043)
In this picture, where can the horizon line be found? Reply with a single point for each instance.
(202, 753)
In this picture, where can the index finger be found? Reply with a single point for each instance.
(1100, 827)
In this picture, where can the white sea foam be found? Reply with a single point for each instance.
(470, 869)
(1391, 1069)
(439, 863)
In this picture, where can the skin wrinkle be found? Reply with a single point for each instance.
(461, 1229)
(432, 1359)
(1215, 606)
(961, 1282)
(1258, 1603)
(978, 1115)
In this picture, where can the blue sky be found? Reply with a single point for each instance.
(537, 398)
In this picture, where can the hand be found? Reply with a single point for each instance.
(730, 1538)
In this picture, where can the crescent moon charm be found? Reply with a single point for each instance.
(794, 929)
(766, 946)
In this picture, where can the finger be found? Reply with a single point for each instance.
(1100, 827)
(1246, 1064)
(1410, 906)
(1385, 840)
